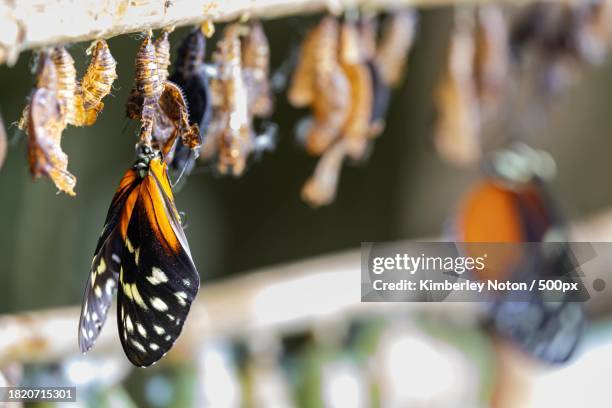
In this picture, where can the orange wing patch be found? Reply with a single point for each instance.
(127, 181)
(155, 206)
(490, 214)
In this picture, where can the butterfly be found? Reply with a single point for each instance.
(509, 212)
(142, 255)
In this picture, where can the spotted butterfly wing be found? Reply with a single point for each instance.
(102, 283)
(158, 280)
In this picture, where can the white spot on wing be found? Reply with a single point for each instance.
(128, 324)
(157, 276)
(110, 284)
(159, 330)
(181, 296)
(159, 304)
(141, 330)
(137, 345)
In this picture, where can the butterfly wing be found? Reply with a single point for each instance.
(549, 331)
(158, 280)
(102, 282)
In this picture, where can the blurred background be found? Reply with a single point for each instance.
(404, 191)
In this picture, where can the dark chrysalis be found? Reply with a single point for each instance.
(381, 91)
(190, 75)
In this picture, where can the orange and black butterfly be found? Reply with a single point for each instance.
(515, 208)
(142, 252)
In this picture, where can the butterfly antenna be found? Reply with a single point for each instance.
(125, 126)
(187, 164)
(180, 176)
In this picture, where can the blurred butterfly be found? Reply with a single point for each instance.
(142, 252)
(512, 206)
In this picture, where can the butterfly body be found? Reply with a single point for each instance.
(142, 255)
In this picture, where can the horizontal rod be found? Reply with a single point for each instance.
(280, 299)
(29, 24)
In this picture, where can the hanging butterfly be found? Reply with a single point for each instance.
(512, 206)
(143, 252)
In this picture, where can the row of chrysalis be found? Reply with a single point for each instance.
(59, 100)
(496, 72)
(223, 105)
(342, 73)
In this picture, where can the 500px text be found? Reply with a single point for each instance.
(492, 285)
